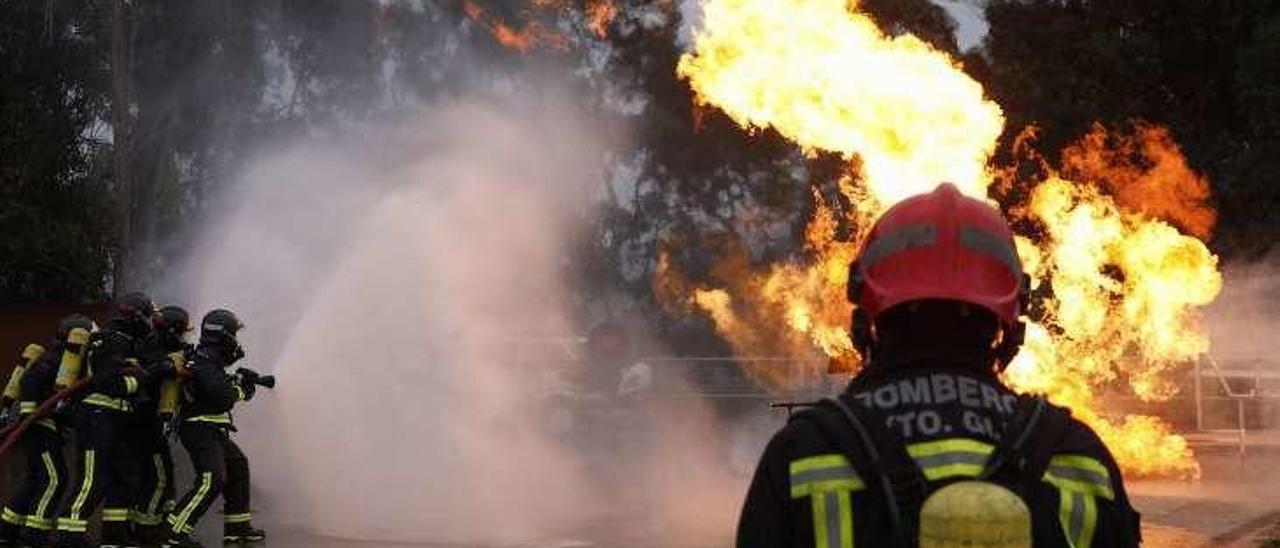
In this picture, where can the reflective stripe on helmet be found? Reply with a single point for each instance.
(940, 245)
(892, 243)
(980, 241)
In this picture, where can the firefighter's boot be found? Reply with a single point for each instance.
(241, 533)
(34, 538)
(8, 533)
(116, 534)
(182, 540)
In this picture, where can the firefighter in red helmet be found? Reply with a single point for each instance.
(926, 446)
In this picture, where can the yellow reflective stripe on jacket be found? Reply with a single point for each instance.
(827, 480)
(1078, 514)
(222, 418)
(830, 479)
(1080, 474)
(48, 423)
(27, 407)
(1080, 481)
(950, 457)
(130, 385)
(108, 402)
(832, 519)
(823, 473)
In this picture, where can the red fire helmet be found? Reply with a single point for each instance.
(940, 245)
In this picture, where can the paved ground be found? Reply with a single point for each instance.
(1235, 505)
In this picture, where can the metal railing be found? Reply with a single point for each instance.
(1206, 367)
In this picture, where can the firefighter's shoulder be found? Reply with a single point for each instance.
(806, 456)
(206, 357)
(1080, 439)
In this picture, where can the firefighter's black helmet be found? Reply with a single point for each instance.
(71, 322)
(133, 315)
(135, 305)
(220, 324)
(172, 319)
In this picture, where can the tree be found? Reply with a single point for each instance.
(1205, 69)
(55, 231)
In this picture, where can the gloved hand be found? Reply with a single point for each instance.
(140, 398)
(169, 425)
(156, 370)
(64, 409)
(248, 387)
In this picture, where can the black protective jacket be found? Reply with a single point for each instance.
(950, 417)
(211, 392)
(111, 362)
(158, 367)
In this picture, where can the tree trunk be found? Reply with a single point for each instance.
(122, 153)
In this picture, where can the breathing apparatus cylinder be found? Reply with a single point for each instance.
(171, 389)
(72, 357)
(29, 356)
(974, 513)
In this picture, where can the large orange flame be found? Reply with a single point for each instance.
(1117, 264)
(829, 79)
(533, 32)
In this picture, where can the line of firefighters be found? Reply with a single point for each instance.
(121, 392)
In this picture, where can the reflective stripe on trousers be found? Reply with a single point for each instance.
(829, 480)
(75, 522)
(150, 515)
(179, 520)
(12, 518)
(37, 519)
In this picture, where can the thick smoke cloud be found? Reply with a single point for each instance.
(381, 280)
(1242, 321)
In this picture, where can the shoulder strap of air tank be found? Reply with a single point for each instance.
(879, 457)
(1028, 442)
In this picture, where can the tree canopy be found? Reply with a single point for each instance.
(212, 80)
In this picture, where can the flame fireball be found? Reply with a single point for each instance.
(1116, 252)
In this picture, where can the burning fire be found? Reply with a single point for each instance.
(535, 32)
(829, 79)
(1117, 257)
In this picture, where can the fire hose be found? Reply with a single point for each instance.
(13, 432)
